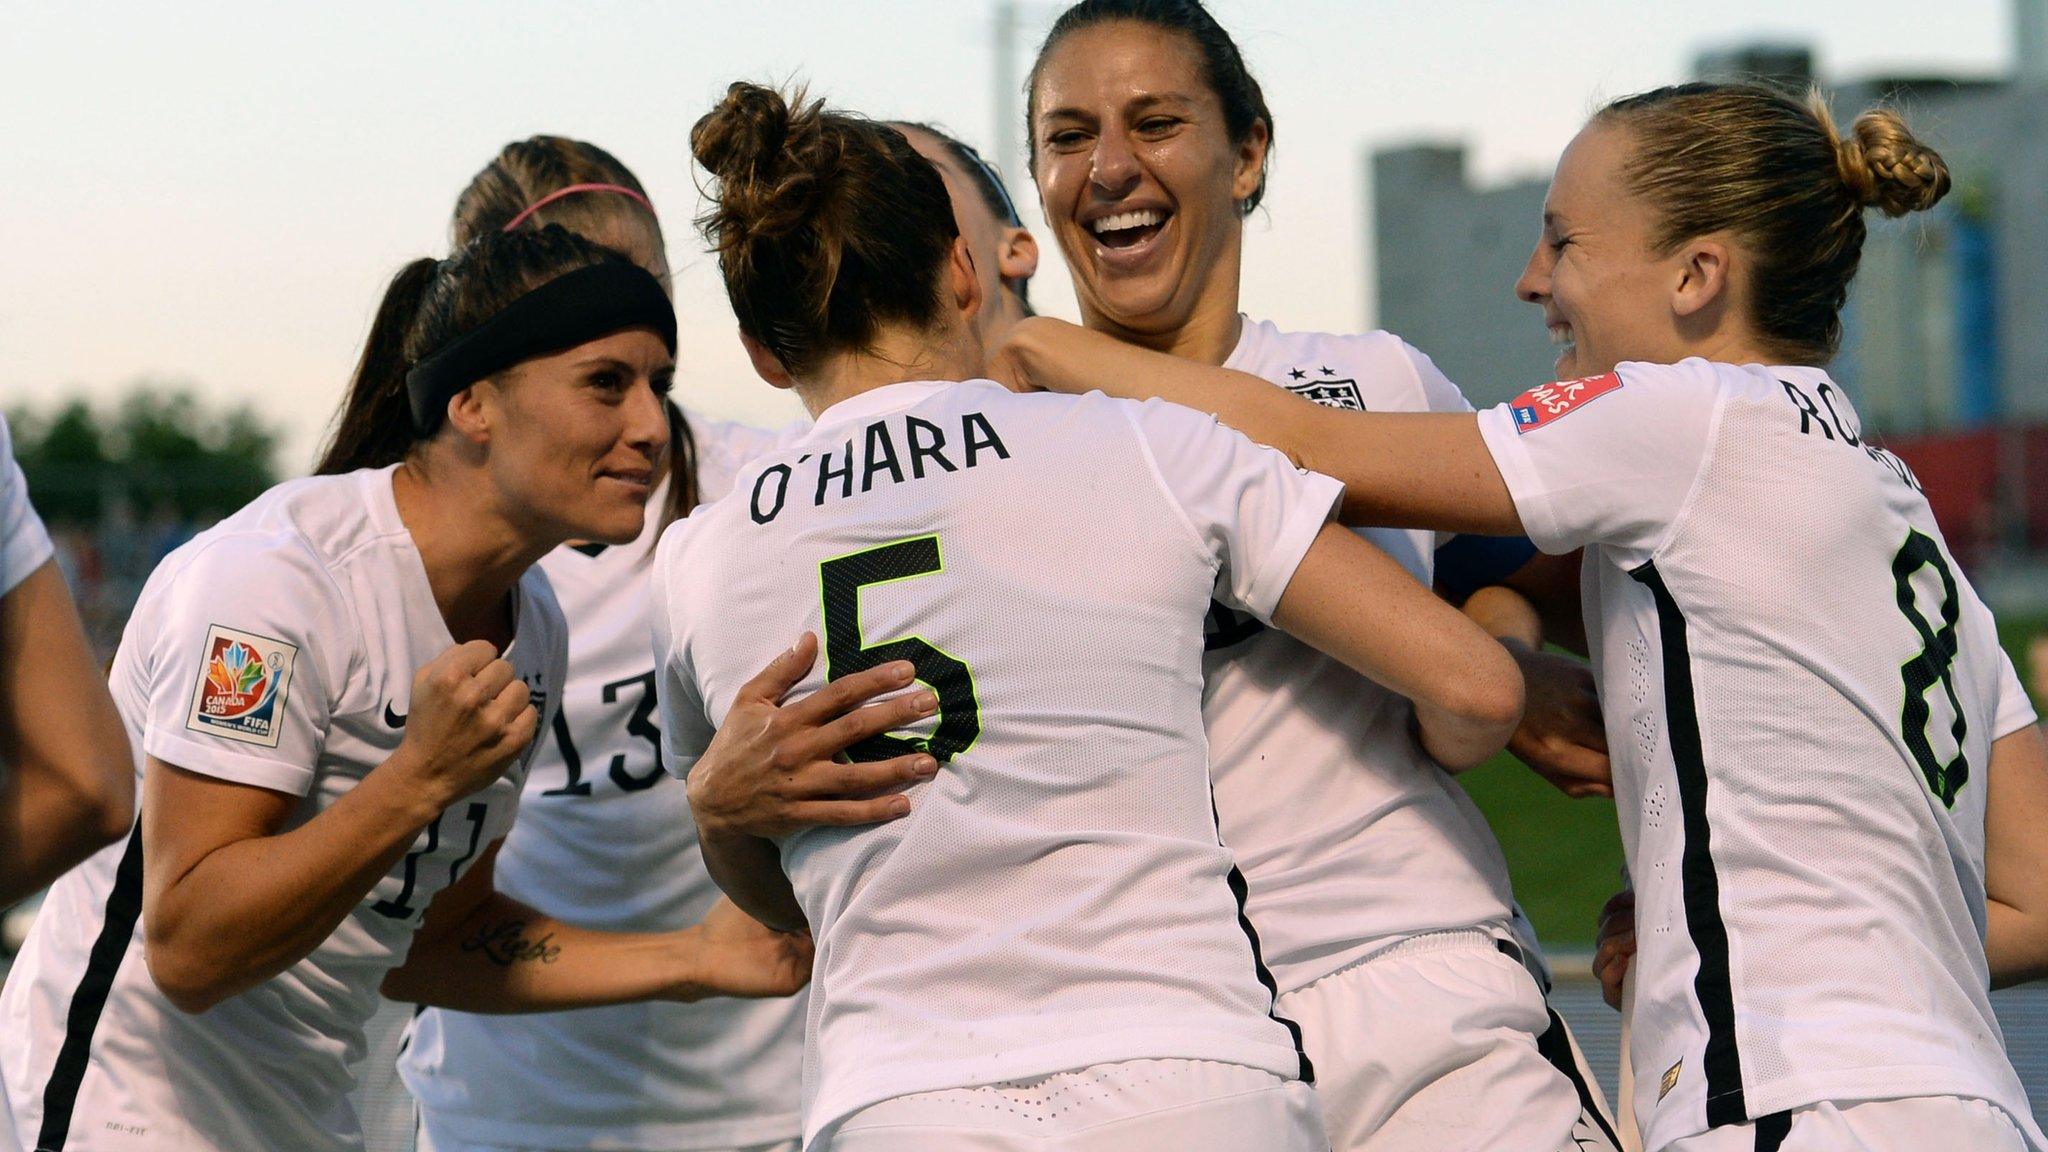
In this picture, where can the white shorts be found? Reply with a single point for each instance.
(1918, 1124)
(1443, 1043)
(1128, 1106)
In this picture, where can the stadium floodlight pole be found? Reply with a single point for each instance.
(1010, 159)
(1008, 150)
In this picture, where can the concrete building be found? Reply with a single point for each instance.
(1947, 324)
(1447, 254)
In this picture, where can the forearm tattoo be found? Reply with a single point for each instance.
(505, 943)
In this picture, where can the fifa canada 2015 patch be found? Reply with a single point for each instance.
(1550, 402)
(242, 682)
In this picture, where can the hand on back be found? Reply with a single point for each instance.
(1617, 947)
(774, 767)
(1561, 735)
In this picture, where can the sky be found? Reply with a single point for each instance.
(214, 194)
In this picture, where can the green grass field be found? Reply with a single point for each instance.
(1565, 855)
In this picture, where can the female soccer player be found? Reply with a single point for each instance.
(1828, 777)
(67, 786)
(604, 837)
(333, 694)
(618, 850)
(1005, 253)
(1049, 952)
(1378, 888)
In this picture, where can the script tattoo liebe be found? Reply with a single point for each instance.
(505, 944)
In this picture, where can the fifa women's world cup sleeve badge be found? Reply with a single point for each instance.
(242, 683)
(1539, 406)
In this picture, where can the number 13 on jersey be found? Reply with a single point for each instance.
(847, 650)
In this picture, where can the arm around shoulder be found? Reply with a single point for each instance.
(1403, 469)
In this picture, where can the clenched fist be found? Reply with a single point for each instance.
(470, 718)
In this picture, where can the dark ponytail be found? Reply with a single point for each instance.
(375, 424)
(428, 305)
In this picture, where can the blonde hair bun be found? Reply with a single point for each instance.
(1886, 167)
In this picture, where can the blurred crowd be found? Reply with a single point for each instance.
(105, 564)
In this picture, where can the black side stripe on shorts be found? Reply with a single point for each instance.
(1556, 1046)
(124, 907)
(1771, 1131)
(1712, 985)
(1305, 1070)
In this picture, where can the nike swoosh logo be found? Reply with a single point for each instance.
(393, 719)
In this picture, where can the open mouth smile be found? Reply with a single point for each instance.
(1125, 240)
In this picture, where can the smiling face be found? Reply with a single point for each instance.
(1140, 180)
(575, 437)
(1606, 295)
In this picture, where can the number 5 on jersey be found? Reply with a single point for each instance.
(847, 651)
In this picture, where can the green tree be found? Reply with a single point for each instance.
(160, 448)
(65, 458)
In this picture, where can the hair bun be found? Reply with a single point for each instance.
(742, 135)
(771, 158)
(1888, 168)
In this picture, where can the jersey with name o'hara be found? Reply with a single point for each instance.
(1058, 897)
(276, 649)
(24, 542)
(605, 840)
(1801, 694)
(1349, 835)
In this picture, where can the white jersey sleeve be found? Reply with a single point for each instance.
(686, 727)
(2015, 710)
(1437, 389)
(1251, 510)
(24, 544)
(1609, 459)
(250, 638)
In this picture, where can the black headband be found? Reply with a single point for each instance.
(992, 180)
(574, 308)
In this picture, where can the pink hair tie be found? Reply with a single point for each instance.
(572, 190)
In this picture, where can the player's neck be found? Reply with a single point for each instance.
(1721, 334)
(1734, 348)
(897, 354)
(473, 555)
(1208, 336)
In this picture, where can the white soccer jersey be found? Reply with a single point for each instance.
(24, 543)
(1058, 897)
(275, 649)
(605, 840)
(1349, 835)
(1801, 693)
